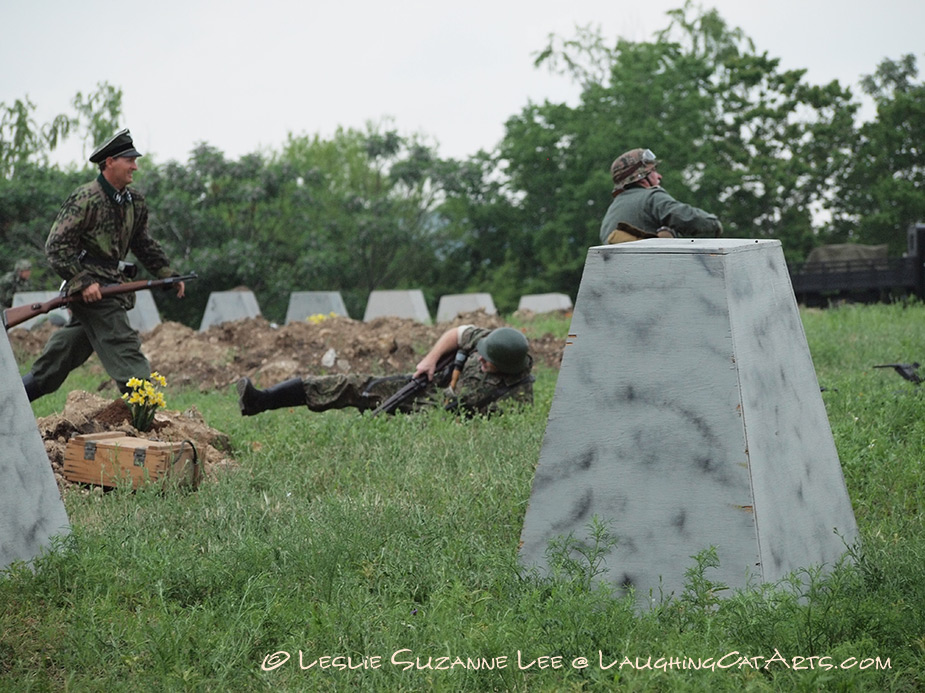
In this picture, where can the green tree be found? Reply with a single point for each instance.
(32, 190)
(758, 146)
(883, 188)
(352, 213)
(98, 114)
(483, 243)
(365, 220)
(23, 141)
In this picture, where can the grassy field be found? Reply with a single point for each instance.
(350, 553)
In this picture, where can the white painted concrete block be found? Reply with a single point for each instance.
(31, 511)
(408, 303)
(544, 303)
(226, 306)
(687, 415)
(452, 305)
(144, 317)
(303, 304)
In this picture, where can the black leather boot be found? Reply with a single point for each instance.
(33, 392)
(289, 393)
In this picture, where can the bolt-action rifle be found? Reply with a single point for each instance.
(14, 316)
(416, 384)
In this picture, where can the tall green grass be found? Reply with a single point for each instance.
(342, 536)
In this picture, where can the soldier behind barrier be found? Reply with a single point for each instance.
(494, 367)
(96, 228)
(642, 204)
(14, 281)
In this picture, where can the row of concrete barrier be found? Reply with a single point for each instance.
(225, 306)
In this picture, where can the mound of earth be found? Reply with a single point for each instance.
(254, 347)
(268, 353)
(85, 412)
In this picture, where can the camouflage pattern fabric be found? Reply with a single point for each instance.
(630, 167)
(651, 208)
(10, 284)
(89, 220)
(476, 392)
(106, 225)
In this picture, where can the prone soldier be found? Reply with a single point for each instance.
(494, 367)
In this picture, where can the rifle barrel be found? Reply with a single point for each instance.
(414, 386)
(20, 314)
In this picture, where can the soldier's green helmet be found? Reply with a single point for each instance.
(22, 265)
(506, 348)
(631, 166)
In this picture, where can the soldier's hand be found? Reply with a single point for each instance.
(427, 366)
(91, 294)
(181, 289)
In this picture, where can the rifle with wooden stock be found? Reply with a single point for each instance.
(20, 314)
(415, 385)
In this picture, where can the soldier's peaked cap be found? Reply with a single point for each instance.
(119, 144)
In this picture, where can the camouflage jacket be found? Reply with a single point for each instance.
(10, 284)
(650, 208)
(477, 391)
(91, 223)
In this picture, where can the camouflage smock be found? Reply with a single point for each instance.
(90, 220)
(477, 391)
(650, 208)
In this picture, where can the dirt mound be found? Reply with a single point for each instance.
(216, 358)
(27, 344)
(85, 412)
(268, 353)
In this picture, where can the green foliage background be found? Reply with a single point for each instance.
(772, 154)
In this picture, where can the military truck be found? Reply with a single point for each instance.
(861, 273)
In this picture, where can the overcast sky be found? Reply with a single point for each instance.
(241, 75)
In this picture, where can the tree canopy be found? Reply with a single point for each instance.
(773, 155)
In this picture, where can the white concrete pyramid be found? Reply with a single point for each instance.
(227, 306)
(31, 511)
(687, 415)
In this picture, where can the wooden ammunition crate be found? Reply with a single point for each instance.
(112, 458)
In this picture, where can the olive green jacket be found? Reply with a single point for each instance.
(651, 208)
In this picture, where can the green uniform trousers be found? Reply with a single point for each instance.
(102, 327)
